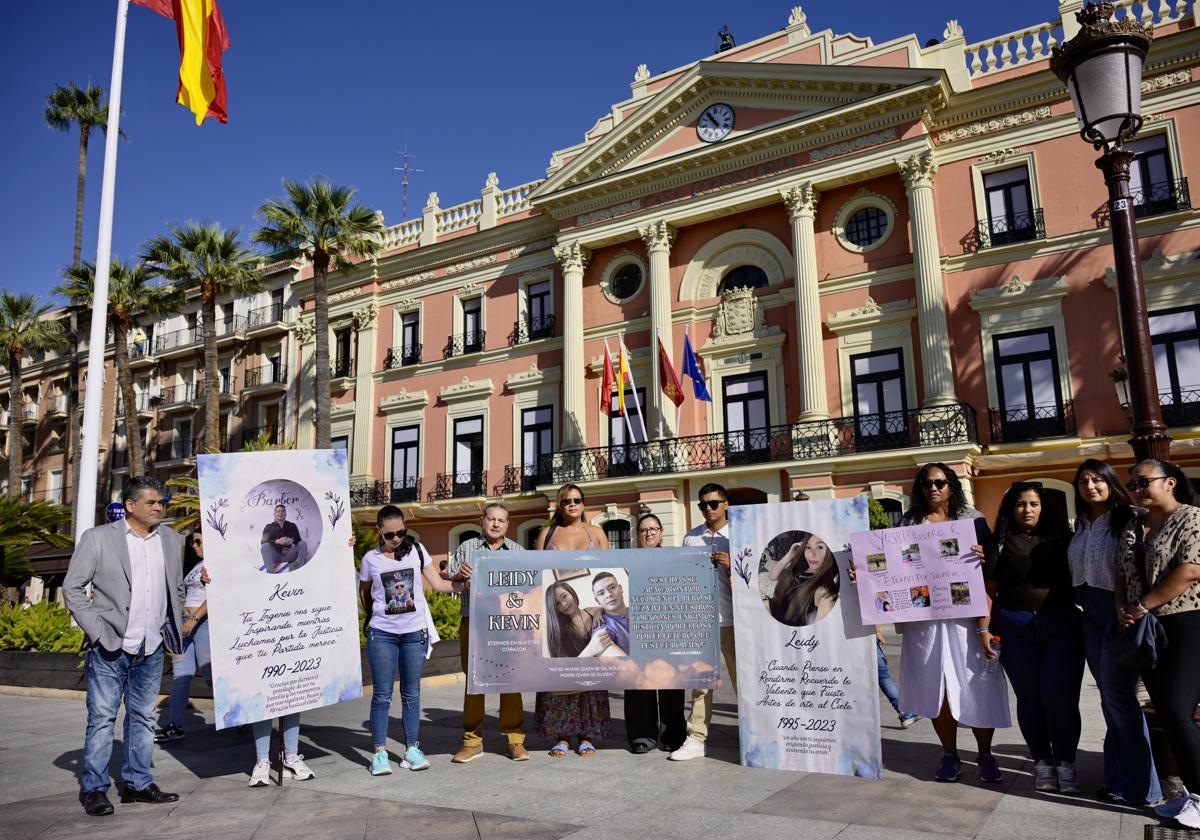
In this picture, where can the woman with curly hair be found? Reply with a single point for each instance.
(1029, 579)
(805, 583)
(943, 662)
(1104, 511)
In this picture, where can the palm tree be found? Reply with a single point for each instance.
(22, 524)
(317, 222)
(131, 292)
(66, 106)
(208, 258)
(22, 330)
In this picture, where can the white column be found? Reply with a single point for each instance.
(801, 201)
(574, 258)
(366, 323)
(658, 236)
(917, 172)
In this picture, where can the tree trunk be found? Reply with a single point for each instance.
(71, 457)
(321, 392)
(16, 443)
(212, 379)
(79, 181)
(125, 385)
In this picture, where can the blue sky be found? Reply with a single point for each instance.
(331, 88)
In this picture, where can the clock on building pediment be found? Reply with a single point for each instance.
(715, 123)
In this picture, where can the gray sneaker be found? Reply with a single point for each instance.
(1068, 782)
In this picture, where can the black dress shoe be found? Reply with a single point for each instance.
(150, 793)
(96, 804)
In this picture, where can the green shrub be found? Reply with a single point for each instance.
(44, 627)
(447, 613)
(877, 515)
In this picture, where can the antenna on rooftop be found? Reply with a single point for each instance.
(405, 169)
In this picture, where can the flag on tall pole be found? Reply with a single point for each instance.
(693, 369)
(607, 382)
(632, 386)
(667, 377)
(202, 40)
(622, 372)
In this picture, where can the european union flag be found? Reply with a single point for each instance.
(692, 368)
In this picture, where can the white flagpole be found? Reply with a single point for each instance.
(633, 387)
(624, 414)
(89, 438)
(679, 408)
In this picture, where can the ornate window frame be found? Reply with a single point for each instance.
(399, 310)
(862, 200)
(463, 400)
(744, 246)
(618, 261)
(999, 161)
(533, 388)
(872, 328)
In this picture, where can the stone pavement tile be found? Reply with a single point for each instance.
(1032, 816)
(346, 827)
(687, 822)
(497, 827)
(834, 798)
(1133, 825)
(875, 832)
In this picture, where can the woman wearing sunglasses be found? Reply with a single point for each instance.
(943, 663)
(196, 654)
(400, 631)
(1166, 541)
(1029, 579)
(1103, 512)
(583, 714)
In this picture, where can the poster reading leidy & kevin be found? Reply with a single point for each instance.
(282, 610)
(572, 620)
(808, 695)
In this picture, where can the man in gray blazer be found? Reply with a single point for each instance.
(135, 569)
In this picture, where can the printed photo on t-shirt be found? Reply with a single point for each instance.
(398, 592)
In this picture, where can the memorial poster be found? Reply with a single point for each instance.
(808, 696)
(919, 572)
(582, 620)
(282, 605)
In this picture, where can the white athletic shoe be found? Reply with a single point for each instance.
(261, 774)
(689, 749)
(300, 771)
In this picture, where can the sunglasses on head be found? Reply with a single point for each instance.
(394, 535)
(711, 504)
(573, 500)
(939, 483)
(1143, 483)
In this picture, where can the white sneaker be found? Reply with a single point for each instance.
(1067, 781)
(1046, 779)
(261, 774)
(300, 771)
(689, 749)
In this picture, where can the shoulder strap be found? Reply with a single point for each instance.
(549, 534)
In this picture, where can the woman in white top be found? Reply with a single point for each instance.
(400, 631)
(1104, 511)
(196, 656)
(943, 663)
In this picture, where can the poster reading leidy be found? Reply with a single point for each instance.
(581, 620)
(282, 611)
(808, 696)
(918, 573)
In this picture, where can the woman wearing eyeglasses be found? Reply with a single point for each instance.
(943, 663)
(1103, 512)
(1167, 542)
(400, 631)
(1033, 610)
(646, 710)
(196, 654)
(583, 714)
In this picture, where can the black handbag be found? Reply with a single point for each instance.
(1140, 646)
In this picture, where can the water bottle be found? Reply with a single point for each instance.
(993, 665)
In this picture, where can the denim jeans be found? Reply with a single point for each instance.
(196, 657)
(386, 652)
(886, 684)
(111, 675)
(261, 729)
(1042, 654)
(1128, 765)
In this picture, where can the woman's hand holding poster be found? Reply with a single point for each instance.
(919, 573)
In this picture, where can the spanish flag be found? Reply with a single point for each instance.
(609, 380)
(622, 372)
(202, 40)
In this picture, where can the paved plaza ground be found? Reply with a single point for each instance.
(612, 795)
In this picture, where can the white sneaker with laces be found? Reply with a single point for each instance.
(300, 771)
(1045, 777)
(1068, 782)
(689, 749)
(261, 774)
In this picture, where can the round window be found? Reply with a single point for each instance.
(626, 281)
(744, 277)
(866, 227)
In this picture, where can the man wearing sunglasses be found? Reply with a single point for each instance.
(283, 549)
(135, 570)
(714, 535)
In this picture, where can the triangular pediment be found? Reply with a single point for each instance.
(764, 98)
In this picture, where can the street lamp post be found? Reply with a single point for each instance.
(1102, 69)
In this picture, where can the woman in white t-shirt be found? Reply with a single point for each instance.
(196, 656)
(400, 631)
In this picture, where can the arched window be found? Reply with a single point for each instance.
(745, 496)
(894, 508)
(531, 537)
(466, 535)
(1057, 501)
(618, 533)
(743, 277)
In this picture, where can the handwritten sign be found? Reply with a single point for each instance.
(283, 616)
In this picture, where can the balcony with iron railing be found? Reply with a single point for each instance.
(531, 329)
(118, 459)
(375, 493)
(56, 406)
(459, 485)
(1164, 197)
(264, 316)
(179, 449)
(272, 376)
(464, 343)
(341, 367)
(1005, 230)
(176, 339)
(178, 396)
(1180, 408)
(403, 356)
(1025, 423)
(141, 403)
(524, 478)
(29, 413)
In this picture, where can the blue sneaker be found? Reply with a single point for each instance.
(949, 770)
(380, 765)
(989, 770)
(414, 759)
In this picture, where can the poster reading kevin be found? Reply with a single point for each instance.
(282, 612)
